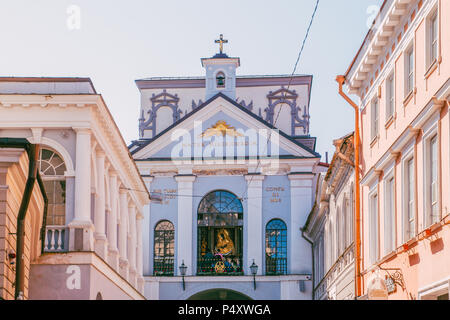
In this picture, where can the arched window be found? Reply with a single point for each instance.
(276, 247)
(164, 250)
(220, 234)
(51, 169)
(220, 80)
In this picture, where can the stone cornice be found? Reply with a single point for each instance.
(378, 42)
(97, 119)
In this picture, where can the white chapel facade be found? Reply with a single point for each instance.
(231, 170)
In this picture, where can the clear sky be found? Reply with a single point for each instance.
(120, 41)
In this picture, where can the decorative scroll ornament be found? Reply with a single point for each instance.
(285, 96)
(249, 106)
(195, 105)
(163, 99)
(221, 128)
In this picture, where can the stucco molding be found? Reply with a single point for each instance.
(163, 99)
(44, 141)
(289, 97)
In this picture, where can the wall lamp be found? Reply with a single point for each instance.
(254, 270)
(183, 269)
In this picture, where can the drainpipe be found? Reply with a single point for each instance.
(20, 263)
(33, 153)
(358, 278)
(312, 255)
(44, 218)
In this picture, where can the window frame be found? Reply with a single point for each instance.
(172, 230)
(432, 38)
(375, 119)
(373, 226)
(410, 69)
(281, 246)
(53, 178)
(390, 96)
(408, 202)
(216, 78)
(429, 217)
(389, 213)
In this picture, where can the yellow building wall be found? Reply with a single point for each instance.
(13, 177)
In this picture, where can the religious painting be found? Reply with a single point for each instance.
(220, 232)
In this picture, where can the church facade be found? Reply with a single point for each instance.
(231, 170)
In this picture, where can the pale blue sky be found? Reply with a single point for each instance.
(121, 41)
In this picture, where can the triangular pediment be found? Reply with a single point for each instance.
(220, 127)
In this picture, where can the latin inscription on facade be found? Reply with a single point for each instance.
(275, 194)
(164, 194)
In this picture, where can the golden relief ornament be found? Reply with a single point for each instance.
(204, 247)
(220, 267)
(221, 128)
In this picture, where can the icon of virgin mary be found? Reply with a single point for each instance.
(224, 245)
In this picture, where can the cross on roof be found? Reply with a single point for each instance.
(221, 41)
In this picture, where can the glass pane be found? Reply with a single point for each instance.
(164, 244)
(51, 163)
(276, 247)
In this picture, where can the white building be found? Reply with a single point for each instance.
(228, 189)
(330, 226)
(92, 247)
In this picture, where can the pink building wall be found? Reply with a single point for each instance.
(425, 263)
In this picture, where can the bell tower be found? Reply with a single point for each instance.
(220, 73)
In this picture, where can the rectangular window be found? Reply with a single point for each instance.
(433, 181)
(375, 117)
(434, 33)
(56, 194)
(373, 234)
(409, 71)
(389, 217)
(390, 97)
(409, 204)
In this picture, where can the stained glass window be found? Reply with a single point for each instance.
(276, 247)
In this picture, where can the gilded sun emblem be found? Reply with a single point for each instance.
(220, 267)
(221, 128)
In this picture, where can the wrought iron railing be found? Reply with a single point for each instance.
(276, 266)
(163, 266)
(219, 265)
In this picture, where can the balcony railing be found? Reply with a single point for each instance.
(55, 239)
(276, 266)
(219, 266)
(163, 266)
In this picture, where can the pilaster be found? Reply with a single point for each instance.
(123, 234)
(301, 204)
(113, 252)
(185, 216)
(132, 245)
(254, 222)
(81, 229)
(100, 210)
